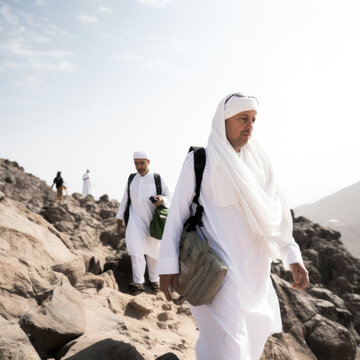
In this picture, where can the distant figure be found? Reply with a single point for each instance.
(59, 182)
(87, 184)
(137, 204)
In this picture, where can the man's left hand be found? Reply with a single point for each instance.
(160, 200)
(300, 275)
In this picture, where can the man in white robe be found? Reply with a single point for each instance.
(139, 243)
(86, 183)
(247, 223)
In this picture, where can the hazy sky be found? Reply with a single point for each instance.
(84, 83)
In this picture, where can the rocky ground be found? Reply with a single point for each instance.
(63, 287)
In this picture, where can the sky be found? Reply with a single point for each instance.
(85, 83)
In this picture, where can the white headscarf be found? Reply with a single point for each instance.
(247, 180)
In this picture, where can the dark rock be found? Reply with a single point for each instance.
(352, 302)
(77, 196)
(321, 293)
(94, 266)
(56, 213)
(106, 214)
(96, 348)
(112, 239)
(329, 340)
(104, 198)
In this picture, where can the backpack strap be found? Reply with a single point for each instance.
(127, 209)
(199, 166)
(157, 179)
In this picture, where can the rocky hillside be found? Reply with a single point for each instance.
(341, 211)
(63, 287)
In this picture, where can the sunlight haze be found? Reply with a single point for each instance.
(85, 83)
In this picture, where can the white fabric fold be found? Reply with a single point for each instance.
(248, 181)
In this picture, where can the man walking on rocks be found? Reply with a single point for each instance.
(59, 183)
(247, 223)
(87, 190)
(136, 210)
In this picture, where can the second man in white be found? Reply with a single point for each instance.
(140, 245)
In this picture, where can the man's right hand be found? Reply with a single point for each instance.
(166, 281)
(119, 224)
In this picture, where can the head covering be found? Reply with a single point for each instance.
(237, 103)
(247, 181)
(141, 155)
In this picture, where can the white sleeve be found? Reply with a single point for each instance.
(179, 212)
(289, 249)
(290, 254)
(122, 207)
(166, 192)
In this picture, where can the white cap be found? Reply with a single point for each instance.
(141, 155)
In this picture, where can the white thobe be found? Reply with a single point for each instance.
(138, 240)
(86, 184)
(245, 311)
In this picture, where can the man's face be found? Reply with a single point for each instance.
(142, 166)
(239, 128)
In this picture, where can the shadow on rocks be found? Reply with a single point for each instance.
(109, 349)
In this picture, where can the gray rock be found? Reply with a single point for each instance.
(15, 345)
(106, 214)
(96, 347)
(141, 305)
(329, 340)
(73, 269)
(352, 302)
(104, 198)
(58, 319)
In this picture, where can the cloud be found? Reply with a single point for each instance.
(104, 9)
(42, 39)
(152, 38)
(87, 19)
(8, 15)
(30, 81)
(63, 66)
(15, 47)
(155, 3)
(28, 42)
(178, 45)
(153, 64)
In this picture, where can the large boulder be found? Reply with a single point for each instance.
(14, 344)
(329, 340)
(59, 318)
(111, 347)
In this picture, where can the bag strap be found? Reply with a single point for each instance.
(199, 166)
(130, 179)
(157, 179)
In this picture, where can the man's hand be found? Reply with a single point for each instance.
(166, 281)
(119, 224)
(160, 200)
(300, 275)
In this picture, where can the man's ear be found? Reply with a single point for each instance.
(148, 161)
